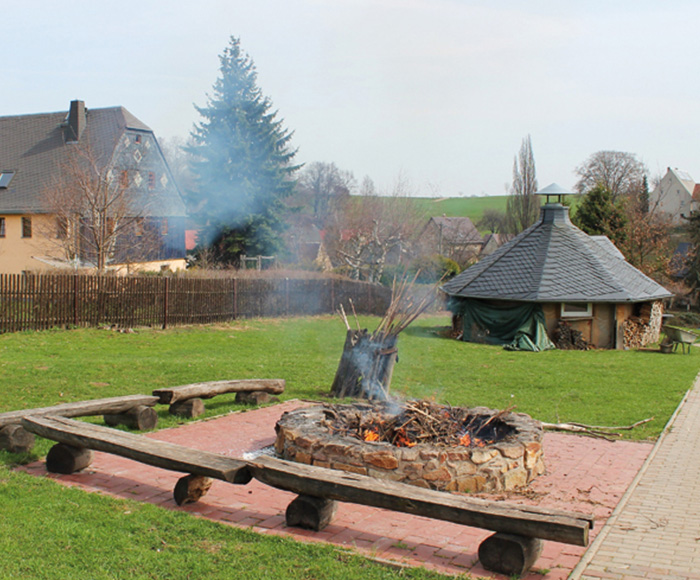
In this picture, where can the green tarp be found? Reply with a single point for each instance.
(517, 326)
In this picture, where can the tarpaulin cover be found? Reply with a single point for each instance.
(517, 326)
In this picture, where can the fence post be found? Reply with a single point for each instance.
(235, 298)
(75, 300)
(166, 292)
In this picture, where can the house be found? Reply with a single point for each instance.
(453, 237)
(550, 275)
(39, 154)
(676, 195)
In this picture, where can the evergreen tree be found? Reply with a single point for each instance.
(598, 215)
(242, 164)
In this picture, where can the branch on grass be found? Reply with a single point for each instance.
(600, 431)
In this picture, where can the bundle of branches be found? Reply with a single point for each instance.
(418, 422)
(368, 359)
(609, 433)
(567, 338)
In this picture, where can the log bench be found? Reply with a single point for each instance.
(76, 439)
(133, 410)
(186, 400)
(512, 550)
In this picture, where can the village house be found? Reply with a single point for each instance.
(676, 195)
(36, 152)
(553, 277)
(453, 237)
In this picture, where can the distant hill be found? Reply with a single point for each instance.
(471, 207)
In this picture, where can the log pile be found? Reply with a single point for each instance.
(642, 330)
(567, 338)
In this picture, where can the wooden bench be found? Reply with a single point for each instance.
(513, 549)
(76, 439)
(186, 400)
(133, 410)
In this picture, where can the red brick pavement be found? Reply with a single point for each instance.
(583, 474)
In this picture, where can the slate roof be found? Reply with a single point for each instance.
(34, 147)
(554, 261)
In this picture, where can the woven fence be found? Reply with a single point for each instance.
(38, 302)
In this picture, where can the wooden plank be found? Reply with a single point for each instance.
(107, 406)
(535, 522)
(211, 389)
(139, 448)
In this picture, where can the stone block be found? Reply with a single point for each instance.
(382, 459)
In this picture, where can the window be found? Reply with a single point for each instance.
(5, 178)
(61, 228)
(137, 139)
(26, 227)
(124, 178)
(151, 180)
(576, 310)
(164, 227)
(2, 227)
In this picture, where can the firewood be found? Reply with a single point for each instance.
(598, 431)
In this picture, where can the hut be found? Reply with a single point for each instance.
(555, 285)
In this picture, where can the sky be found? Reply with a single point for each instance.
(438, 94)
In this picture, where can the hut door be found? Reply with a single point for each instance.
(602, 332)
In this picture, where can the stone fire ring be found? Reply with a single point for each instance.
(303, 436)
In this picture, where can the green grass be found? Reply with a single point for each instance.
(471, 207)
(47, 531)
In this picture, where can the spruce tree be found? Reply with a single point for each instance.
(242, 163)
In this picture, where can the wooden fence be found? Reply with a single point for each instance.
(38, 302)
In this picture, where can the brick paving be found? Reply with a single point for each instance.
(583, 474)
(655, 532)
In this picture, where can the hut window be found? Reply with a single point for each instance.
(576, 310)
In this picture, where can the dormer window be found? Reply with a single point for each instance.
(6, 178)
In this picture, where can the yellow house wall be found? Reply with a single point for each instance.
(17, 253)
(598, 330)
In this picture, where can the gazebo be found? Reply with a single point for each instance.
(553, 275)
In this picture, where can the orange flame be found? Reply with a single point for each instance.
(403, 441)
(465, 440)
(370, 435)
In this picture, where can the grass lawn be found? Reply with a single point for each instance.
(47, 531)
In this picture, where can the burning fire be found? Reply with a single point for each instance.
(370, 435)
(468, 441)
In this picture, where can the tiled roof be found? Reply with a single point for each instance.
(34, 147)
(554, 261)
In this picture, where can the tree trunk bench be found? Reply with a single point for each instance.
(186, 400)
(16, 439)
(513, 549)
(76, 438)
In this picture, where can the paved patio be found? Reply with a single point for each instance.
(583, 474)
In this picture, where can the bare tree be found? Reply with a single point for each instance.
(323, 187)
(522, 207)
(493, 220)
(94, 210)
(374, 230)
(619, 172)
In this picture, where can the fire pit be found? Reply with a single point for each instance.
(420, 443)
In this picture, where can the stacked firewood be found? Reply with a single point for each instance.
(567, 338)
(644, 329)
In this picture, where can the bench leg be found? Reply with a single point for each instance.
(191, 488)
(16, 439)
(509, 554)
(310, 513)
(188, 408)
(67, 459)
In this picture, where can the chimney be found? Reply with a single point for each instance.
(77, 120)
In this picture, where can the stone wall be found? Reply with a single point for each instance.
(506, 465)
